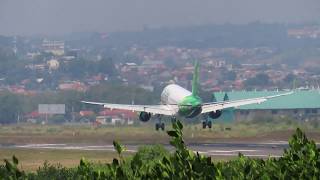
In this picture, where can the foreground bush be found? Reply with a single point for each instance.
(300, 161)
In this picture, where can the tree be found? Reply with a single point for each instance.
(259, 80)
(106, 66)
(9, 108)
(289, 78)
(229, 75)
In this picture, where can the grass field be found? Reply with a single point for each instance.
(31, 159)
(26, 133)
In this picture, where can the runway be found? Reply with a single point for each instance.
(262, 150)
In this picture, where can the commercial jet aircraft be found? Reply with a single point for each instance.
(179, 102)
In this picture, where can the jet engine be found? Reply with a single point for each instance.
(215, 115)
(144, 116)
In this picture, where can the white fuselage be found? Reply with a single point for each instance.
(173, 94)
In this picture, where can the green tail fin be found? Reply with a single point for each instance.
(195, 81)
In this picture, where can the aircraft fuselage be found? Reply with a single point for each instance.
(189, 105)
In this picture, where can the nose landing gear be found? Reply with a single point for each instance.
(159, 124)
(207, 123)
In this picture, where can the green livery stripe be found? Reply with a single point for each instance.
(188, 104)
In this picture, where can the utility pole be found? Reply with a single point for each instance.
(72, 114)
(18, 119)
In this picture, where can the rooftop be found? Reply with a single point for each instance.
(300, 99)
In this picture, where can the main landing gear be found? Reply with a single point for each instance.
(159, 124)
(207, 123)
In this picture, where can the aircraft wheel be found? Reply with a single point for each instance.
(162, 126)
(210, 124)
(157, 126)
(204, 124)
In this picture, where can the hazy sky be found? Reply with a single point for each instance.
(64, 16)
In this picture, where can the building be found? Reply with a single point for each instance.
(108, 120)
(54, 47)
(301, 105)
(53, 64)
(116, 116)
(76, 86)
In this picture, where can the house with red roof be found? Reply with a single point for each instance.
(116, 116)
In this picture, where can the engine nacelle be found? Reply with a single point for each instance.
(144, 116)
(215, 115)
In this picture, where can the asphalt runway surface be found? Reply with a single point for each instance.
(261, 150)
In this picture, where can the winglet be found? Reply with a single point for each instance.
(195, 81)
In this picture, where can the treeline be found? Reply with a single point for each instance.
(11, 69)
(220, 36)
(14, 106)
(300, 161)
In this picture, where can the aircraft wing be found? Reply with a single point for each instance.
(214, 106)
(168, 110)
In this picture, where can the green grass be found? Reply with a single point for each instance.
(145, 133)
(31, 159)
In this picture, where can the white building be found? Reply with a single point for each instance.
(54, 47)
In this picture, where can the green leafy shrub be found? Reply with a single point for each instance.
(10, 170)
(48, 171)
(145, 160)
(184, 163)
(300, 161)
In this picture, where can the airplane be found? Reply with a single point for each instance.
(177, 101)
